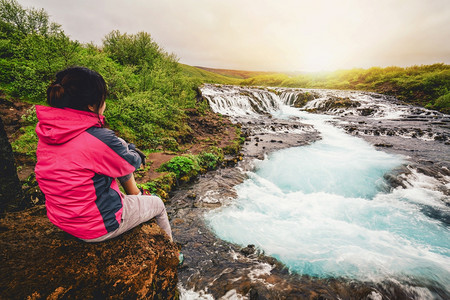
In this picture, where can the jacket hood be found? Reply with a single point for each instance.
(57, 126)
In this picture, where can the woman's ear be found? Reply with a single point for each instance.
(92, 108)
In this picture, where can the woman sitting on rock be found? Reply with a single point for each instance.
(78, 161)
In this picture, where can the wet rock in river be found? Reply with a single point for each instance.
(366, 111)
(250, 249)
(383, 145)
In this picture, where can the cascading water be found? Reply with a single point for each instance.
(325, 210)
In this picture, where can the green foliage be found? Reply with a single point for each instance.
(152, 119)
(169, 143)
(26, 143)
(208, 161)
(266, 80)
(148, 91)
(181, 166)
(160, 186)
(218, 152)
(156, 70)
(150, 186)
(25, 21)
(32, 50)
(187, 167)
(443, 103)
(30, 117)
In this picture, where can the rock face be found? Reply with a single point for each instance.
(39, 261)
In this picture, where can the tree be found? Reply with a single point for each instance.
(32, 50)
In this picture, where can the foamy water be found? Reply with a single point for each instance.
(324, 210)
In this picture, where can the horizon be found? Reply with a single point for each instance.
(317, 72)
(261, 36)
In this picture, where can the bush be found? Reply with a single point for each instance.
(152, 120)
(208, 161)
(150, 186)
(26, 143)
(443, 103)
(181, 166)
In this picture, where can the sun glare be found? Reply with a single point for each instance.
(319, 59)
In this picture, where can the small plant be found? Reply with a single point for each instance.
(217, 152)
(29, 117)
(160, 186)
(181, 166)
(443, 103)
(27, 142)
(169, 143)
(142, 171)
(207, 160)
(150, 186)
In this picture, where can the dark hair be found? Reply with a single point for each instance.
(77, 88)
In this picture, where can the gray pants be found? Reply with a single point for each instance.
(138, 209)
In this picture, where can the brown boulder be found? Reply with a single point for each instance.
(39, 261)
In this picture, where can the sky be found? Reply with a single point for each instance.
(269, 35)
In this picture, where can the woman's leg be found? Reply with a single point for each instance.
(138, 209)
(149, 207)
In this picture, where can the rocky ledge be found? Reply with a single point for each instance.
(39, 261)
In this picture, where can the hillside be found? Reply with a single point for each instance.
(241, 74)
(204, 75)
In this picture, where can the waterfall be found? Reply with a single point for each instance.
(251, 101)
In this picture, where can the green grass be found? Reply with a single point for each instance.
(203, 76)
(241, 74)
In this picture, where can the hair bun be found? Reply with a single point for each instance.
(55, 93)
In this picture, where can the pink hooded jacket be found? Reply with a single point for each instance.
(77, 163)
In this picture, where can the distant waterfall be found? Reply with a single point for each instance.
(239, 101)
(244, 101)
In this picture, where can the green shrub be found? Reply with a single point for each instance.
(208, 161)
(169, 143)
(181, 166)
(26, 143)
(160, 186)
(150, 186)
(153, 120)
(443, 103)
(30, 117)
